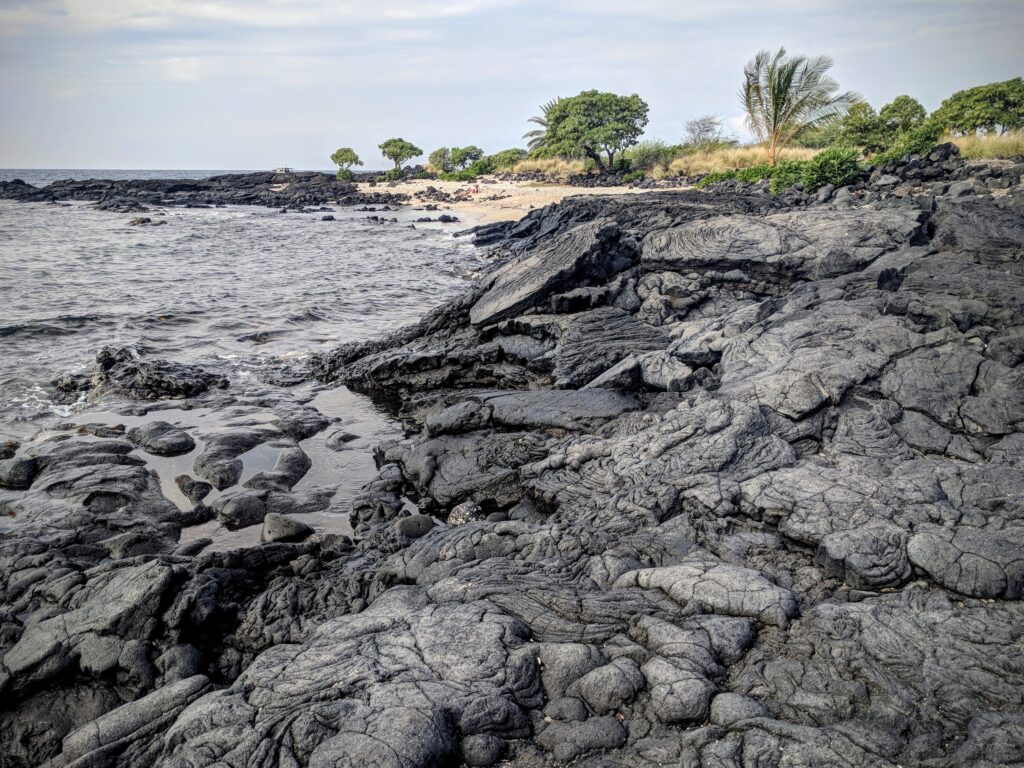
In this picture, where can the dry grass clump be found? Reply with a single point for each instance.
(730, 159)
(989, 145)
(551, 166)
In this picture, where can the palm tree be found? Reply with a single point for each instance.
(783, 95)
(537, 138)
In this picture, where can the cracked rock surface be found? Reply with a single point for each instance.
(700, 479)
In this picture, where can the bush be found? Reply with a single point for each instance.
(344, 174)
(395, 174)
(785, 174)
(836, 165)
(507, 158)
(754, 173)
(632, 176)
(466, 174)
(715, 177)
(919, 141)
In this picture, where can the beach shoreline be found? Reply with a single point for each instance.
(494, 200)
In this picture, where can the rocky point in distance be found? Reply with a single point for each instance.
(702, 478)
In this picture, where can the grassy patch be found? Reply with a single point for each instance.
(989, 145)
(719, 159)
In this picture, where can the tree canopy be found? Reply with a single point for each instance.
(345, 158)
(902, 114)
(399, 150)
(596, 125)
(876, 132)
(784, 95)
(441, 159)
(862, 127)
(463, 157)
(992, 108)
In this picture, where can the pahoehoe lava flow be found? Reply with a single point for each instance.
(702, 479)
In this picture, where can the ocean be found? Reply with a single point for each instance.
(231, 288)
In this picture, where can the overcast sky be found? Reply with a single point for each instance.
(258, 83)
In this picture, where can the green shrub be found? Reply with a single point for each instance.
(836, 165)
(465, 174)
(395, 174)
(344, 174)
(754, 173)
(441, 159)
(482, 166)
(714, 178)
(785, 174)
(507, 158)
(918, 141)
(632, 176)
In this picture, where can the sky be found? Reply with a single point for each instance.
(252, 84)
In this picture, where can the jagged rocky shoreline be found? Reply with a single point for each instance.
(701, 478)
(274, 190)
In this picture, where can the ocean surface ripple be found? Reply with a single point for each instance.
(229, 287)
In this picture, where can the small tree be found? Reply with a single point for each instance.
(862, 127)
(704, 130)
(783, 95)
(595, 124)
(902, 114)
(441, 159)
(463, 157)
(398, 151)
(992, 108)
(345, 158)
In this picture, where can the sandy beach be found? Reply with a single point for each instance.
(493, 200)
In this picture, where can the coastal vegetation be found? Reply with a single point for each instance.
(993, 108)
(345, 158)
(990, 145)
(536, 139)
(399, 150)
(595, 124)
(807, 130)
(784, 95)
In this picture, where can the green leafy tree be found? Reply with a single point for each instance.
(398, 151)
(821, 136)
(902, 114)
(536, 140)
(441, 159)
(784, 94)
(596, 125)
(463, 157)
(507, 158)
(863, 127)
(992, 108)
(345, 158)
